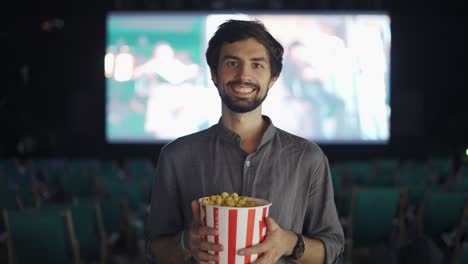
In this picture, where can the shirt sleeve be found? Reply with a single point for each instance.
(165, 215)
(322, 221)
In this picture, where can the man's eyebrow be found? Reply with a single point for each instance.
(232, 57)
(226, 57)
(259, 59)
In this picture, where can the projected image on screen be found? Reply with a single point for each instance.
(334, 86)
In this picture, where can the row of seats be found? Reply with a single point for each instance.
(391, 204)
(96, 209)
(68, 211)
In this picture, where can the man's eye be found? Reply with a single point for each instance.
(258, 66)
(231, 63)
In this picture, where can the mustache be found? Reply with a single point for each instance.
(251, 84)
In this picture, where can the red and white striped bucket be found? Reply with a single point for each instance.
(239, 227)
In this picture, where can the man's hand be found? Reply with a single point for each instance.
(198, 247)
(278, 243)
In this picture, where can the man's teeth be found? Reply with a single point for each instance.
(243, 89)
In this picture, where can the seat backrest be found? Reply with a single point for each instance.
(106, 168)
(463, 171)
(336, 180)
(344, 205)
(383, 179)
(44, 236)
(132, 192)
(462, 185)
(9, 201)
(53, 178)
(20, 179)
(112, 214)
(416, 174)
(416, 195)
(441, 212)
(86, 223)
(358, 172)
(443, 166)
(88, 233)
(373, 211)
(139, 168)
(29, 197)
(79, 184)
(386, 165)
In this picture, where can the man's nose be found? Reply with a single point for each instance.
(244, 73)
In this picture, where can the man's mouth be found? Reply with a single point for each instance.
(242, 89)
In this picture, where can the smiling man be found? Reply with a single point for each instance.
(247, 154)
(243, 77)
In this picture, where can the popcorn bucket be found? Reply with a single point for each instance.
(239, 227)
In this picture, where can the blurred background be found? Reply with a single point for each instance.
(71, 188)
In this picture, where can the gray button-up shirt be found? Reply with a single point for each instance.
(292, 172)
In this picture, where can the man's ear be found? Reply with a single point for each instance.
(272, 81)
(214, 78)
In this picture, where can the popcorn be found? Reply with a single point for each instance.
(231, 200)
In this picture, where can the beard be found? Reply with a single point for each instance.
(242, 105)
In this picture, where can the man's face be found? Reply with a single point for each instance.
(243, 77)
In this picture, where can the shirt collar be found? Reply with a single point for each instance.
(233, 137)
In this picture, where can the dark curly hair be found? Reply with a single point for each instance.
(238, 30)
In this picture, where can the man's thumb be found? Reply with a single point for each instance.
(196, 212)
(271, 224)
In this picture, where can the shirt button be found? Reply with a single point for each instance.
(247, 163)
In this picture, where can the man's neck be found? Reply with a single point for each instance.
(249, 126)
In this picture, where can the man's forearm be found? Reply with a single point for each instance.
(168, 250)
(314, 251)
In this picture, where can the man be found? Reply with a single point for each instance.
(245, 153)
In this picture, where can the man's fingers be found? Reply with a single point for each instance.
(257, 249)
(204, 230)
(202, 254)
(207, 246)
(196, 212)
(205, 257)
(199, 231)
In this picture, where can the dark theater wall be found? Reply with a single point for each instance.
(59, 109)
